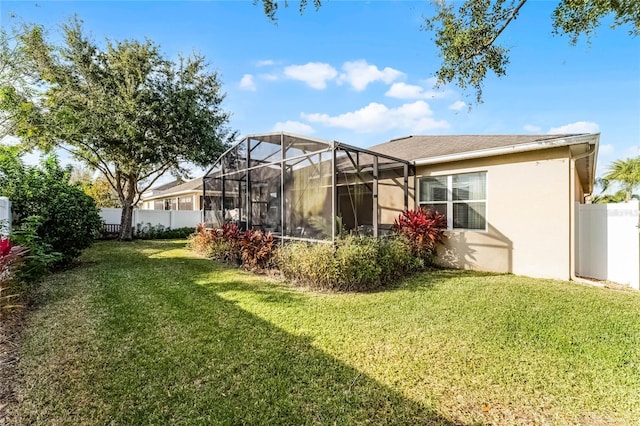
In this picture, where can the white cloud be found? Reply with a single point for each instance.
(532, 128)
(359, 74)
(375, 117)
(315, 74)
(632, 152)
(412, 91)
(405, 91)
(293, 127)
(268, 77)
(577, 127)
(265, 63)
(457, 105)
(247, 83)
(9, 140)
(606, 149)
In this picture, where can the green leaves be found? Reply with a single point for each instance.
(468, 37)
(467, 40)
(582, 17)
(52, 215)
(626, 173)
(270, 7)
(121, 108)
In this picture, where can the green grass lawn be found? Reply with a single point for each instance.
(148, 333)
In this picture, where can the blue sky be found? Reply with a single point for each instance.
(361, 72)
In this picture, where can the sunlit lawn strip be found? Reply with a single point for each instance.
(146, 332)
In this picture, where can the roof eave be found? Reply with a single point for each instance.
(171, 194)
(511, 149)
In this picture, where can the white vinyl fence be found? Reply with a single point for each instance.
(173, 219)
(608, 242)
(5, 216)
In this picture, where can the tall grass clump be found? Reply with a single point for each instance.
(355, 263)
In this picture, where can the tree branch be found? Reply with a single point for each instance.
(504, 26)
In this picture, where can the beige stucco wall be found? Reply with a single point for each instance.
(528, 202)
(391, 198)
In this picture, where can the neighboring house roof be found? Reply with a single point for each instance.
(189, 187)
(165, 186)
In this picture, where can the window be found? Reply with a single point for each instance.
(185, 203)
(461, 198)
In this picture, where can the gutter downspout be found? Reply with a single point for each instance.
(572, 211)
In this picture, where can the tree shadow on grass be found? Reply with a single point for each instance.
(172, 351)
(432, 277)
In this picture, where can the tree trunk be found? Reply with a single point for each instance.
(126, 222)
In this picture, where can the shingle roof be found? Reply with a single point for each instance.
(413, 148)
(189, 186)
(166, 186)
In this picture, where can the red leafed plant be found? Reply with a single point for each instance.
(10, 258)
(233, 237)
(258, 249)
(252, 249)
(423, 229)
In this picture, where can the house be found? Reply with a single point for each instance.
(510, 200)
(174, 195)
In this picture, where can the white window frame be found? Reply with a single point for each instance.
(450, 201)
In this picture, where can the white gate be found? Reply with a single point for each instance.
(608, 242)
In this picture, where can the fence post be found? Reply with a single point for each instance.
(5, 216)
(134, 219)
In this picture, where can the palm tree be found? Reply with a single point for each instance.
(626, 173)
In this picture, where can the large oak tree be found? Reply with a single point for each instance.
(124, 109)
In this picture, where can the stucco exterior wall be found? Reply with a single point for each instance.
(391, 198)
(528, 208)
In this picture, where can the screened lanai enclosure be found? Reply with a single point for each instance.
(301, 188)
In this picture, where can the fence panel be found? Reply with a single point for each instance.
(110, 216)
(5, 216)
(608, 246)
(168, 218)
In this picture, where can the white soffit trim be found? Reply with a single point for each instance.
(172, 194)
(533, 146)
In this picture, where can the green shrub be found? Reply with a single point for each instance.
(160, 232)
(311, 265)
(69, 219)
(397, 259)
(355, 263)
(42, 257)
